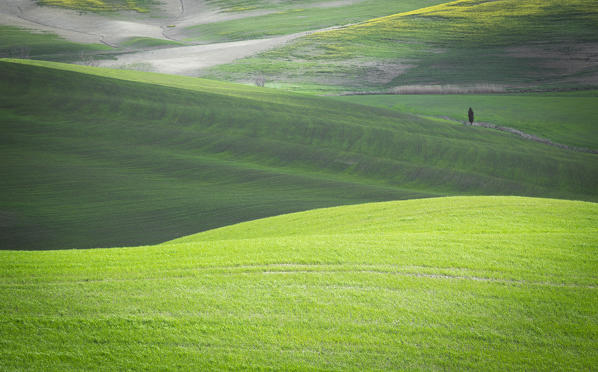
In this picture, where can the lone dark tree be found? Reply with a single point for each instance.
(260, 80)
(470, 115)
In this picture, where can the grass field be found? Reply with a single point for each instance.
(101, 161)
(287, 17)
(468, 283)
(516, 44)
(148, 43)
(141, 6)
(19, 43)
(568, 118)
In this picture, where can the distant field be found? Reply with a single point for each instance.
(20, 43)
(515, 44)
(482, 283)
(102, 5)
(92, 161)
(287, 17)
(146, 42)
(561, 117)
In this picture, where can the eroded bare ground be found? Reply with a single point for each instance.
(174, 17)
(83, 27)
(166, 22)
(190, 60)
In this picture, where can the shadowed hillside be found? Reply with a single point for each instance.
(92, 161)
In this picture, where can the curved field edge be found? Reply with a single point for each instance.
(469, 215)
(486, 283)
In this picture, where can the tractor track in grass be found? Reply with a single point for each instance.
(323, 269)
(521, 134)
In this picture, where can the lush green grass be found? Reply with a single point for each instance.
(563, 118)
(141, 6)
(485, 283)
(517, 44)
(94, 161)
(289, 17)
(19, 43)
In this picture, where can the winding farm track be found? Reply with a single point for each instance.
(524, 135)
(190, 60)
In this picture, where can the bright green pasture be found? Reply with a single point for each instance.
(289, 17)
(517, 44)
(560, 117)
(20, 43)
(92, 161)
(479, 283)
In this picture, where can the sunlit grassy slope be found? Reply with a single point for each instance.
(91, 161)
(566, 117)
(468, 283)
(517, 44)
(286, 17)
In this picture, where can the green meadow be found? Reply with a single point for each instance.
(331, 220)
(467, 283)
(137, 158)
(563, 117)
(517, 45)
(287, 17)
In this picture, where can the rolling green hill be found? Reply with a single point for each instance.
(137, 158)
(504, 44)
(466, 283)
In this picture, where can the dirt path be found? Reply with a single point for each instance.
(522, 134)
(112, 29)
(190, 60)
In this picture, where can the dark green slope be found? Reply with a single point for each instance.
(90, 161)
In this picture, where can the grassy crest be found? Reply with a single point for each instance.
(517, 44)
(95, 161)
(474, 283)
